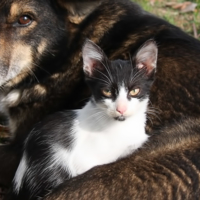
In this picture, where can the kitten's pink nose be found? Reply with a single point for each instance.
(121, 109)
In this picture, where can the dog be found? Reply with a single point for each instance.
(34, 59)
(41, 73)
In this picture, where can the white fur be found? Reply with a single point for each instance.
(100, 139)
(19, 175)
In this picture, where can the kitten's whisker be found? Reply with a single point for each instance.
(154, 114)
(153, 108)
(111, 80)
(84, 99)
(130, 60)
(149, 118)
(136, 75)
(99, 113)
(95, 114)
(101, 80)
(130, 78)
(32, 73)
(100, 117)
(107, 69)
(135, 79)
(153, 111)
(141, 72)
(150, 103)
(150, 107)
(104, 75)
(41, 68)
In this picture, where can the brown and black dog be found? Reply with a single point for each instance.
(40, 72)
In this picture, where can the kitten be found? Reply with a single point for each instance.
(109, 127)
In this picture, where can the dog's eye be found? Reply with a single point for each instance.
(25, 20)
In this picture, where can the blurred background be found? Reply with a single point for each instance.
(185, 14)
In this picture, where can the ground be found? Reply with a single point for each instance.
(185, 14)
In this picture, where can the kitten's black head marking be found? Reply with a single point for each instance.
(138, 72)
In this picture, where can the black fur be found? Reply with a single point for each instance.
(119, 27)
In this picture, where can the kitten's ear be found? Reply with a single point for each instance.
(146, 57)
(93, 57)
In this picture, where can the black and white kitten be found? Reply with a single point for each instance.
(109, 127)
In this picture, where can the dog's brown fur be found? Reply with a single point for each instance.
(119, 27)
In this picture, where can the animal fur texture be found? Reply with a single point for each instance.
(50, 45)
(166, 168)
(71, 142)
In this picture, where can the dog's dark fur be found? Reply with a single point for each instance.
(51, 45)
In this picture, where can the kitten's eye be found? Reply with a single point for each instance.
(134, 92)
(107, 92)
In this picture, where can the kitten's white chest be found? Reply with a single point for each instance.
(101, 147)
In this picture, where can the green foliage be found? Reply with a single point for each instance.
(189, 21)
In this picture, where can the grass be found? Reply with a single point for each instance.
(189, 21)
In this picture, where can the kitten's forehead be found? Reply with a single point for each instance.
(121, 71)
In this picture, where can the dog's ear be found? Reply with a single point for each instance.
(78, 10)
